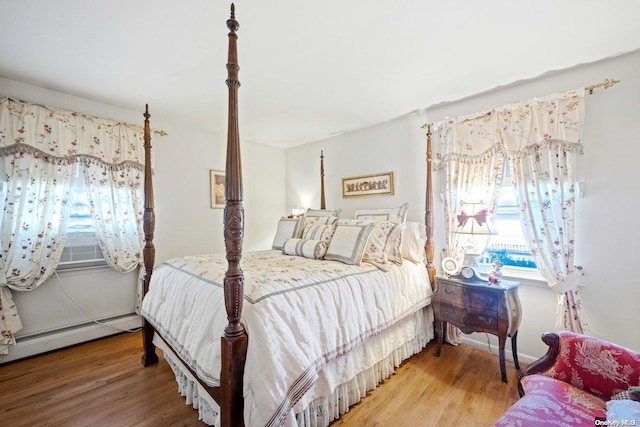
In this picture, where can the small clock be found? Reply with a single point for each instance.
(468, 273)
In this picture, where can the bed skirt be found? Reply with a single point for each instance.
(404, 339)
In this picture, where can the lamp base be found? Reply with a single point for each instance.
(471, 260)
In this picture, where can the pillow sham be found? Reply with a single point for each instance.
(308, 248)
(398, 214)
(348, 243)
(318, 232)
(323, 212)
(384, 242)
(287, 228)
(414, 237)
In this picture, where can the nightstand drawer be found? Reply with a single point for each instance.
(450, 293)
(485, 319)
(482, 299)
(452, 313)
(468, 297)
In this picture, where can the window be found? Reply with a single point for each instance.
(508, 245)
(81, 248)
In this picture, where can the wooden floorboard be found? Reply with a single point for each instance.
(103, 383)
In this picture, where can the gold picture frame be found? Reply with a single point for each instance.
(368, 185)
(217, 179)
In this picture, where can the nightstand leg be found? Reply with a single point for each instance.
(514, 349)
(503, 367)
(440, 332)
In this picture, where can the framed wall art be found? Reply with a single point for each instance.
(217, 179)
(368, 185)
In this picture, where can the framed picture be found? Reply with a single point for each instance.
(217, 189)
(368, 185)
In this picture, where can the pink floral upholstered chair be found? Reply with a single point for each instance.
(574, 383)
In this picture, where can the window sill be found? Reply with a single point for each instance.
(82, 266)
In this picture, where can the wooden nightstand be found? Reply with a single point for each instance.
(478, 306)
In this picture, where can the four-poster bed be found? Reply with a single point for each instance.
(316, 334)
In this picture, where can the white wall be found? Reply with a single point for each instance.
(185, 222)
(606, 236)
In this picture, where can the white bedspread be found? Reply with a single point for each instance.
(300, 314)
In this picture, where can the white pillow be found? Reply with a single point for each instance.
(349, 243)
(384, 241)
(623, 409)
(316, 220)
(398, 214)
(318, 232)
(313, 249)
(414, 237)
(287, 228)
(323, 212)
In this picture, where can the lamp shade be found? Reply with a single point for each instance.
(474, 219)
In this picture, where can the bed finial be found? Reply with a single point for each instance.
(232, 24)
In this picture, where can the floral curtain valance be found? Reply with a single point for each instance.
(512, 128)
(62, 133)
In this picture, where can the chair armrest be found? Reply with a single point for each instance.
(546, 362)
(591, 364)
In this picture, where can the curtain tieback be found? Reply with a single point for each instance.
(568, 283)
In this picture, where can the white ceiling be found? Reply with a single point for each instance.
(309, 69)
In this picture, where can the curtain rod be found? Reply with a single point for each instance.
(606, 84)
(160, 132)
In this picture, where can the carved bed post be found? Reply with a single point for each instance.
(149, 356)
(235, 340)
(428, 215)
(323, 204)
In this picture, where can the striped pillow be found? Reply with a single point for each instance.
(318, 232)
(313, 249)
(384, 242)
(349, 243)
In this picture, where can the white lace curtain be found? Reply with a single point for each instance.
(541, 138)
(40, 150)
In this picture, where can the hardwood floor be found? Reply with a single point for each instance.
(103, 383)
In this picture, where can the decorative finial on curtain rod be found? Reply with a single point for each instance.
(606, 84)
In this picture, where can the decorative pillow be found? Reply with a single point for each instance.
(323, 212)
(623, 409)
(318, 232)
(383, 246)
(313, 249)
(315, 220)
(349, 243)
(287, 228)
(398, 214)
(632, 393)
(414, 237)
